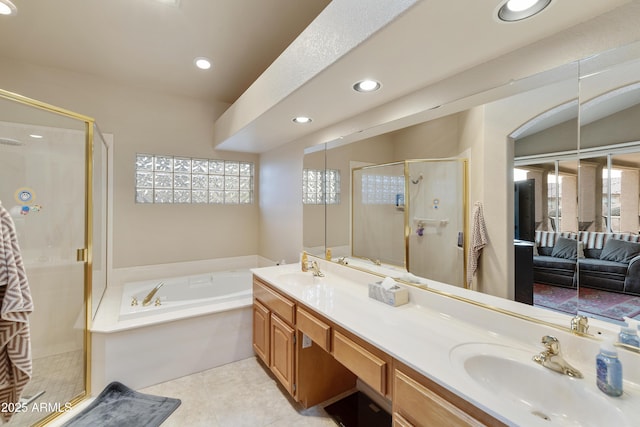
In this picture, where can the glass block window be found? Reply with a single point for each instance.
(320, 186)
(169, 179)
(383, 190)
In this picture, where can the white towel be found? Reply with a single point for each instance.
(478, 241)
(15, 306)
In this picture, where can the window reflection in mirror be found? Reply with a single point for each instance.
(313, 201)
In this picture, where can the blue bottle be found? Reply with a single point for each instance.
(629, 333)
(609, 370)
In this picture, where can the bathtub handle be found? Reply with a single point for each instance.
(147, 300)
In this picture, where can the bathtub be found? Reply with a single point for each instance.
(203, 321)
(179, 293)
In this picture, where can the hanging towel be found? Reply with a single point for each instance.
(15, 306)
(478, 241)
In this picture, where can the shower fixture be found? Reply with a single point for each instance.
(420, 178)
(9, 141)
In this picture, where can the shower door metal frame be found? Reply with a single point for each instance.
(84, 254)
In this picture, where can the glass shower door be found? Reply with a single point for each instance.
(43, 187)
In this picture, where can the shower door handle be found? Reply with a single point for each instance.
(81, 255)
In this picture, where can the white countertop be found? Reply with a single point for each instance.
(423, 333)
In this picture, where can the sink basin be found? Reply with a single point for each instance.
(299, 278)
(510, 375)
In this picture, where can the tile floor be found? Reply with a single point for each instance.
(235, 395)
(57, 376)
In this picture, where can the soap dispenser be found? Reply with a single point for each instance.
(629, 333)
(609, 369)
(304, 261)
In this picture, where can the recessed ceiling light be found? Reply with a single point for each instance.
(302, 119)
(175, 3)
(366, 86)
(202, 63)
(7, 8)
(35, 136)
(516, 10)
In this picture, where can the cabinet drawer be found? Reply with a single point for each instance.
(366, 365)
(275, 302)
(314, 328)
(419, 406)
(399, 421)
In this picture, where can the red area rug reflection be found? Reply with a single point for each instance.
(608, 304)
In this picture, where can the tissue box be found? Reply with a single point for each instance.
(395, 296)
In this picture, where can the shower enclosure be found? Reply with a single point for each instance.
(53, 182)
(413, 214)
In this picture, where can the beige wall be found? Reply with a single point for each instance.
(615, 129)
(563, 137)
(434, 139)
(154, 123)
(280, 234)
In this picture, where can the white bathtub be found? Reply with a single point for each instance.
(204, 321)
(178, 293)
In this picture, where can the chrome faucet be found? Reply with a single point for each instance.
(315, 270)
(552, 359)
(343, 261)
(147, 300)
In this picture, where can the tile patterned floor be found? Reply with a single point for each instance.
(58, 377)
(235, 395)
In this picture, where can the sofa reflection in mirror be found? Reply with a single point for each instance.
(605, 261)
(592, 246)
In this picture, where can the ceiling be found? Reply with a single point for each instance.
(152, 45)
(310, 51)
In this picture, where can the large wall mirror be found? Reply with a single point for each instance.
(573, 133)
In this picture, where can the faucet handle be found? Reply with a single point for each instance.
(580, 324)
(551, 343)
(315, 269)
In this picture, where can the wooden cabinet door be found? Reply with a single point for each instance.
(282, 352)
(261, 330)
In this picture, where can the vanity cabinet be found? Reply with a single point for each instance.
(304, 366)
(316, 359)
(274, 333)
(320, 375)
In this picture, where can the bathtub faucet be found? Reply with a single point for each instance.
(147, 300)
